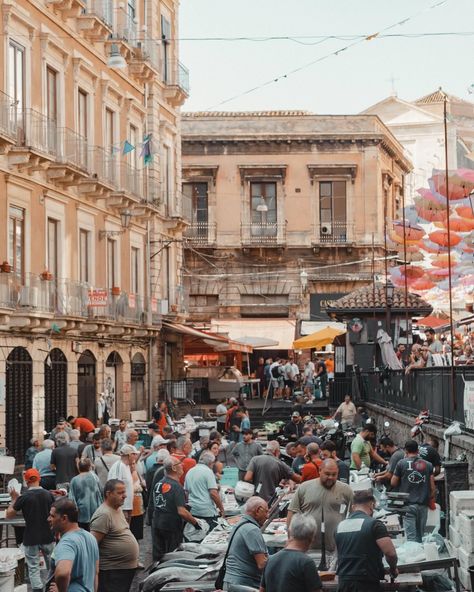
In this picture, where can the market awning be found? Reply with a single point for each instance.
(433, 322)
(280, 332)
(318, 339)
(308, 327)
(202, 342)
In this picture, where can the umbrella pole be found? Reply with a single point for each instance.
(448, 228)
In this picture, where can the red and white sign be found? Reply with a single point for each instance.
(97, 297)
(132, 301)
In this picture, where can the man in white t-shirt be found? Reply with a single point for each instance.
(347, 411)
(121, 470)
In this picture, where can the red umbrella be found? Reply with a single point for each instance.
(460, 184)
(440, 237)
(423, 284)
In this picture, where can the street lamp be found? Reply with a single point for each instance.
(389, 292)
(304, 280)
(125, 218)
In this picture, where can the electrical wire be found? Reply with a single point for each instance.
(326, 56)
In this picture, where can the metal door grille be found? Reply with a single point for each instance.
(86, 387)
(19, 394)
(55, 388)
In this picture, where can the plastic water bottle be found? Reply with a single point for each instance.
(383, 500)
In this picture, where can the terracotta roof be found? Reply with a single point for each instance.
(438, 97)
(363, 300)
(245, 113)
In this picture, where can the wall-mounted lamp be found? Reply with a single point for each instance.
(116, 59)
(262, 206)
(304, 280)
(125, 218)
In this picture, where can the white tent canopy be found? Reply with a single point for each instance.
(272, 333)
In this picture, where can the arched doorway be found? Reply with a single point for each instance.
(138, 395)
(55, 388)
(86, 386)
(19, 402)
(112, 382)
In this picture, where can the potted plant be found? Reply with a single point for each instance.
(6, 267)
(116, 291)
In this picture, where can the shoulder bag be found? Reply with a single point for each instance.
(221, 575)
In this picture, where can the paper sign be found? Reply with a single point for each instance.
(97, 297)
(469, 404)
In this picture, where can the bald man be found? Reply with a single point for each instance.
(325, 494)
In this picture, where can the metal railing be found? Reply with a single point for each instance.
(9, 285)
(131, 180)
(334, 233)
(183, 78)
(71, 298)
(37, 131)
(8, 122)
(126, 28)
(134, 311)
(177, 75)
(202, 233)
(263, 233)
(103, 9)
(150, 51)
(423, 388)
(37, 294)
(73, 149)
(104, 166)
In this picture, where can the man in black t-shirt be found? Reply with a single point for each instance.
(64, 460)
(291, 569)
(35, 504)
(168, 500)
(429, 451)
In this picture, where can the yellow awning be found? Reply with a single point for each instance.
(318, 339)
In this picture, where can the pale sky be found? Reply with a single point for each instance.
(347, 83)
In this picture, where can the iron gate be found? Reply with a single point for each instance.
(55, 388)
(19, 404)
(137, 399)
(86, 387)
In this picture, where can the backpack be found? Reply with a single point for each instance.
(275, 372)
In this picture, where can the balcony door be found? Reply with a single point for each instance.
(16, 84)
(197, 196)
(16, 240)
(263, 206)
(332, 210)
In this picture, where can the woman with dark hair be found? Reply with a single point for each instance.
(85, 490)
(218, 467)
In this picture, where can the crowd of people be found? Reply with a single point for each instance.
(88, 496)
(435, 350)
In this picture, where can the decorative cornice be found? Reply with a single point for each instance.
(332, 170)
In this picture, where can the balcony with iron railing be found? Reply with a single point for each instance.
(8, 123)
(96, 20)
(103, 167)
(126, 28)
(201, 233)
(177, 82)
(35, 293)
(130, 180)
(333, 233)
(145, 63)
(37, 138)
(268, 234)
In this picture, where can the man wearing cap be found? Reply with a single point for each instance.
(244, 451)
(35, 503)
(294, 428)
(362, 542)
(121, 470)
(61, 426)
(151, 462)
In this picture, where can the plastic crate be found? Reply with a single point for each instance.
(230, 476)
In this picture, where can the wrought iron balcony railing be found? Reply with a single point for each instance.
(335, 233)
(201, 233)
(263, 233)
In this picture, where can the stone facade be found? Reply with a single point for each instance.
(283, 205)
(91, 234)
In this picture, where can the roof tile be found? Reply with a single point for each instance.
(370, 298)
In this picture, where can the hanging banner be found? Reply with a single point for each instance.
(97, 297)
(469, 404)
(109, 389)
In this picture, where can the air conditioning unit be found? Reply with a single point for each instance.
(29, 296)
(326, 228)
(164, 307)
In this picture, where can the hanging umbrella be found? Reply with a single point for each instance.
(318, 339)
(465, 212)
(423, 284)
(460, 184)
(440, 237)
(411, 232)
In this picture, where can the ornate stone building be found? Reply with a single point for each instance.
(286, 210)
(89, 175)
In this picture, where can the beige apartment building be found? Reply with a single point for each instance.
(286, 211)
(90, 240)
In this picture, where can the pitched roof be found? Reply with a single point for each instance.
(372, 299)
(438, 97)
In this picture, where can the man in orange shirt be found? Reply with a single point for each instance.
(182, 452)
(330, 367)
(81, 423)
(310, 470)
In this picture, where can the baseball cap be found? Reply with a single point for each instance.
(128, 449)
(32, 475)
(295, 414)
(158, 441)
